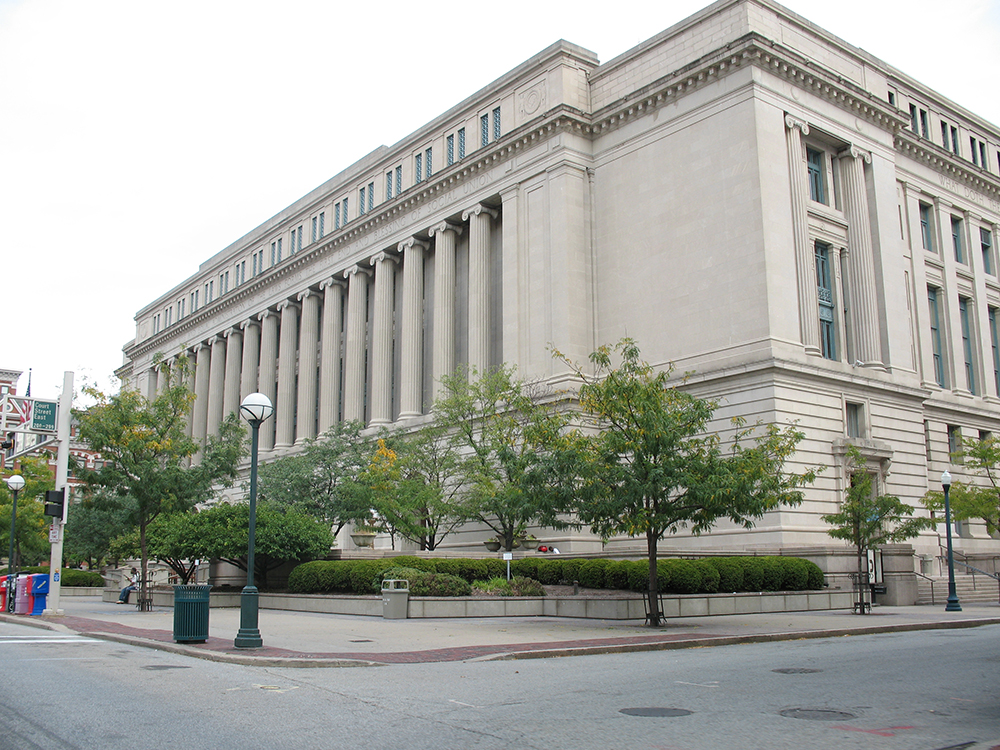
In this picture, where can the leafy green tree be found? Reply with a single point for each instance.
(974, 500)
(282, 535)
(91, 527)
(322, 480)
(866, 520)
(31, 541)
(500, 430)
(148, 467)
(652, 468)
(170, 539)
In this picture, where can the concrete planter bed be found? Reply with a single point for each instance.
(625, 607)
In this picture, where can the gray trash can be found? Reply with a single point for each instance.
(395, 598)
(191, 613)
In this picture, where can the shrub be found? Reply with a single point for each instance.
(495, 567)
(638, 575)
(441, 584)
(772, 574)
(411, 561)
(72, 578)
(549, 571)
(753, 573)
(335, 577)
(517, 586)
(709, 576)
(616, 574)
(570, 570)
(815, 576)
(472, 570)
(593, 574)
(684, 577)
(364, 576)
(730, 573)
(526, 567)
(304, 579)
(794, 573)
(494, 587)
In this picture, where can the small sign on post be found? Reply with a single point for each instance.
(43, 416)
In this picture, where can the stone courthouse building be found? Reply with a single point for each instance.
(809, 231)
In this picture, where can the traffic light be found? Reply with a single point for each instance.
(54, 500)
(7, 443)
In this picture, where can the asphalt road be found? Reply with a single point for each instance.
(902, 691)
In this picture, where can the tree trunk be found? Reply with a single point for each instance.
(652, 595)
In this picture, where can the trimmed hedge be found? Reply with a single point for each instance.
(70, 577)
(449, 575)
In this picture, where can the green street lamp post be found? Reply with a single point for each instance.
(255, 409)
(15, 483)
(953, 605)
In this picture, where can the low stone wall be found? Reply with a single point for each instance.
(625, 607)
(82, 591)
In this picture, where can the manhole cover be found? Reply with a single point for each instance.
(158, 667)
(817, 714)
(796, 670)
(655, 711)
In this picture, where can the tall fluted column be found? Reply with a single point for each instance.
(479, 219)
(216, 384)
(355, 345)
(251, 357)
(162, 377)
(412, 350)
(385, 270)
(284, 410)
(234, 363)
(308, 346)
(443, 355)
(860, 259)
(329, 367)
(805, 258)
(202, 369)
(267, 383)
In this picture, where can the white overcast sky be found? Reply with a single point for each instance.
(138, 138)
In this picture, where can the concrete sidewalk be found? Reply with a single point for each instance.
(303, 639)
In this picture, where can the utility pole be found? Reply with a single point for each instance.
(62, 484)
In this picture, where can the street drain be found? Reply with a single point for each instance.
(655, 711)
(363, 640)
(159, 667)
(796, 670)
(817, 714)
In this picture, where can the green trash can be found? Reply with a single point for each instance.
(191, 613)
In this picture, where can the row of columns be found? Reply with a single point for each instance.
(292, 353)
(863, 311)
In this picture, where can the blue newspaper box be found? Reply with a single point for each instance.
(40, 591)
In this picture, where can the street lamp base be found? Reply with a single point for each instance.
(953, 605)
(248, 635)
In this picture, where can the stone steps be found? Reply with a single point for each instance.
(982, 589)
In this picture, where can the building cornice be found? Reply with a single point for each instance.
(947, 164)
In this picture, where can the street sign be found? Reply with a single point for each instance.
(43, 416)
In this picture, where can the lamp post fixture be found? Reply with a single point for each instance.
(953, 605)
(15, 483)
(255, 409)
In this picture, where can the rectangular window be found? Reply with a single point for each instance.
(315, 222)
(827, 326)
(292, 246)
(371, 195)
(944, 134)
(484, 130)
(923, 124)
(194, 301)
(926, 228)
(399, 180)
(168, 315)
(450, 149)
(322, 224)
(223, 283)
(496, 124)
(956, 239)
(954, 442)
(975, 151)
(935, 321)
(854, 420)
(913, 119)
(361, 203)
(274, 253)
(982, 156)
(429, 162)
(892, 99)
(954, 141)
(298, 243)
(986, 243)
(970, 367)
(418, 167)
(461, 143)
(817, 183)
(995, 345)
(388, 185)
(336, 216)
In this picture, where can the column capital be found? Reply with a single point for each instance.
(445, 226)
(792, 122)
(854, 152)
(247, 323)
(231, 330)
(287, 303)
(355, 269)
(305, 294)
(269, 313)
(411, 242)
(195, 348)
(330, 281)
(478, 209)
(382, 257)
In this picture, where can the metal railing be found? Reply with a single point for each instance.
(928, 578)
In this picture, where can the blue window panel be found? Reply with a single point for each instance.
(496, 124)
(418, 163)
(935, 321)
(986, 242)
(461, 143)
(956, 239)
(817, 186)
(450, 150)
(484, 130)
(970, 369)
